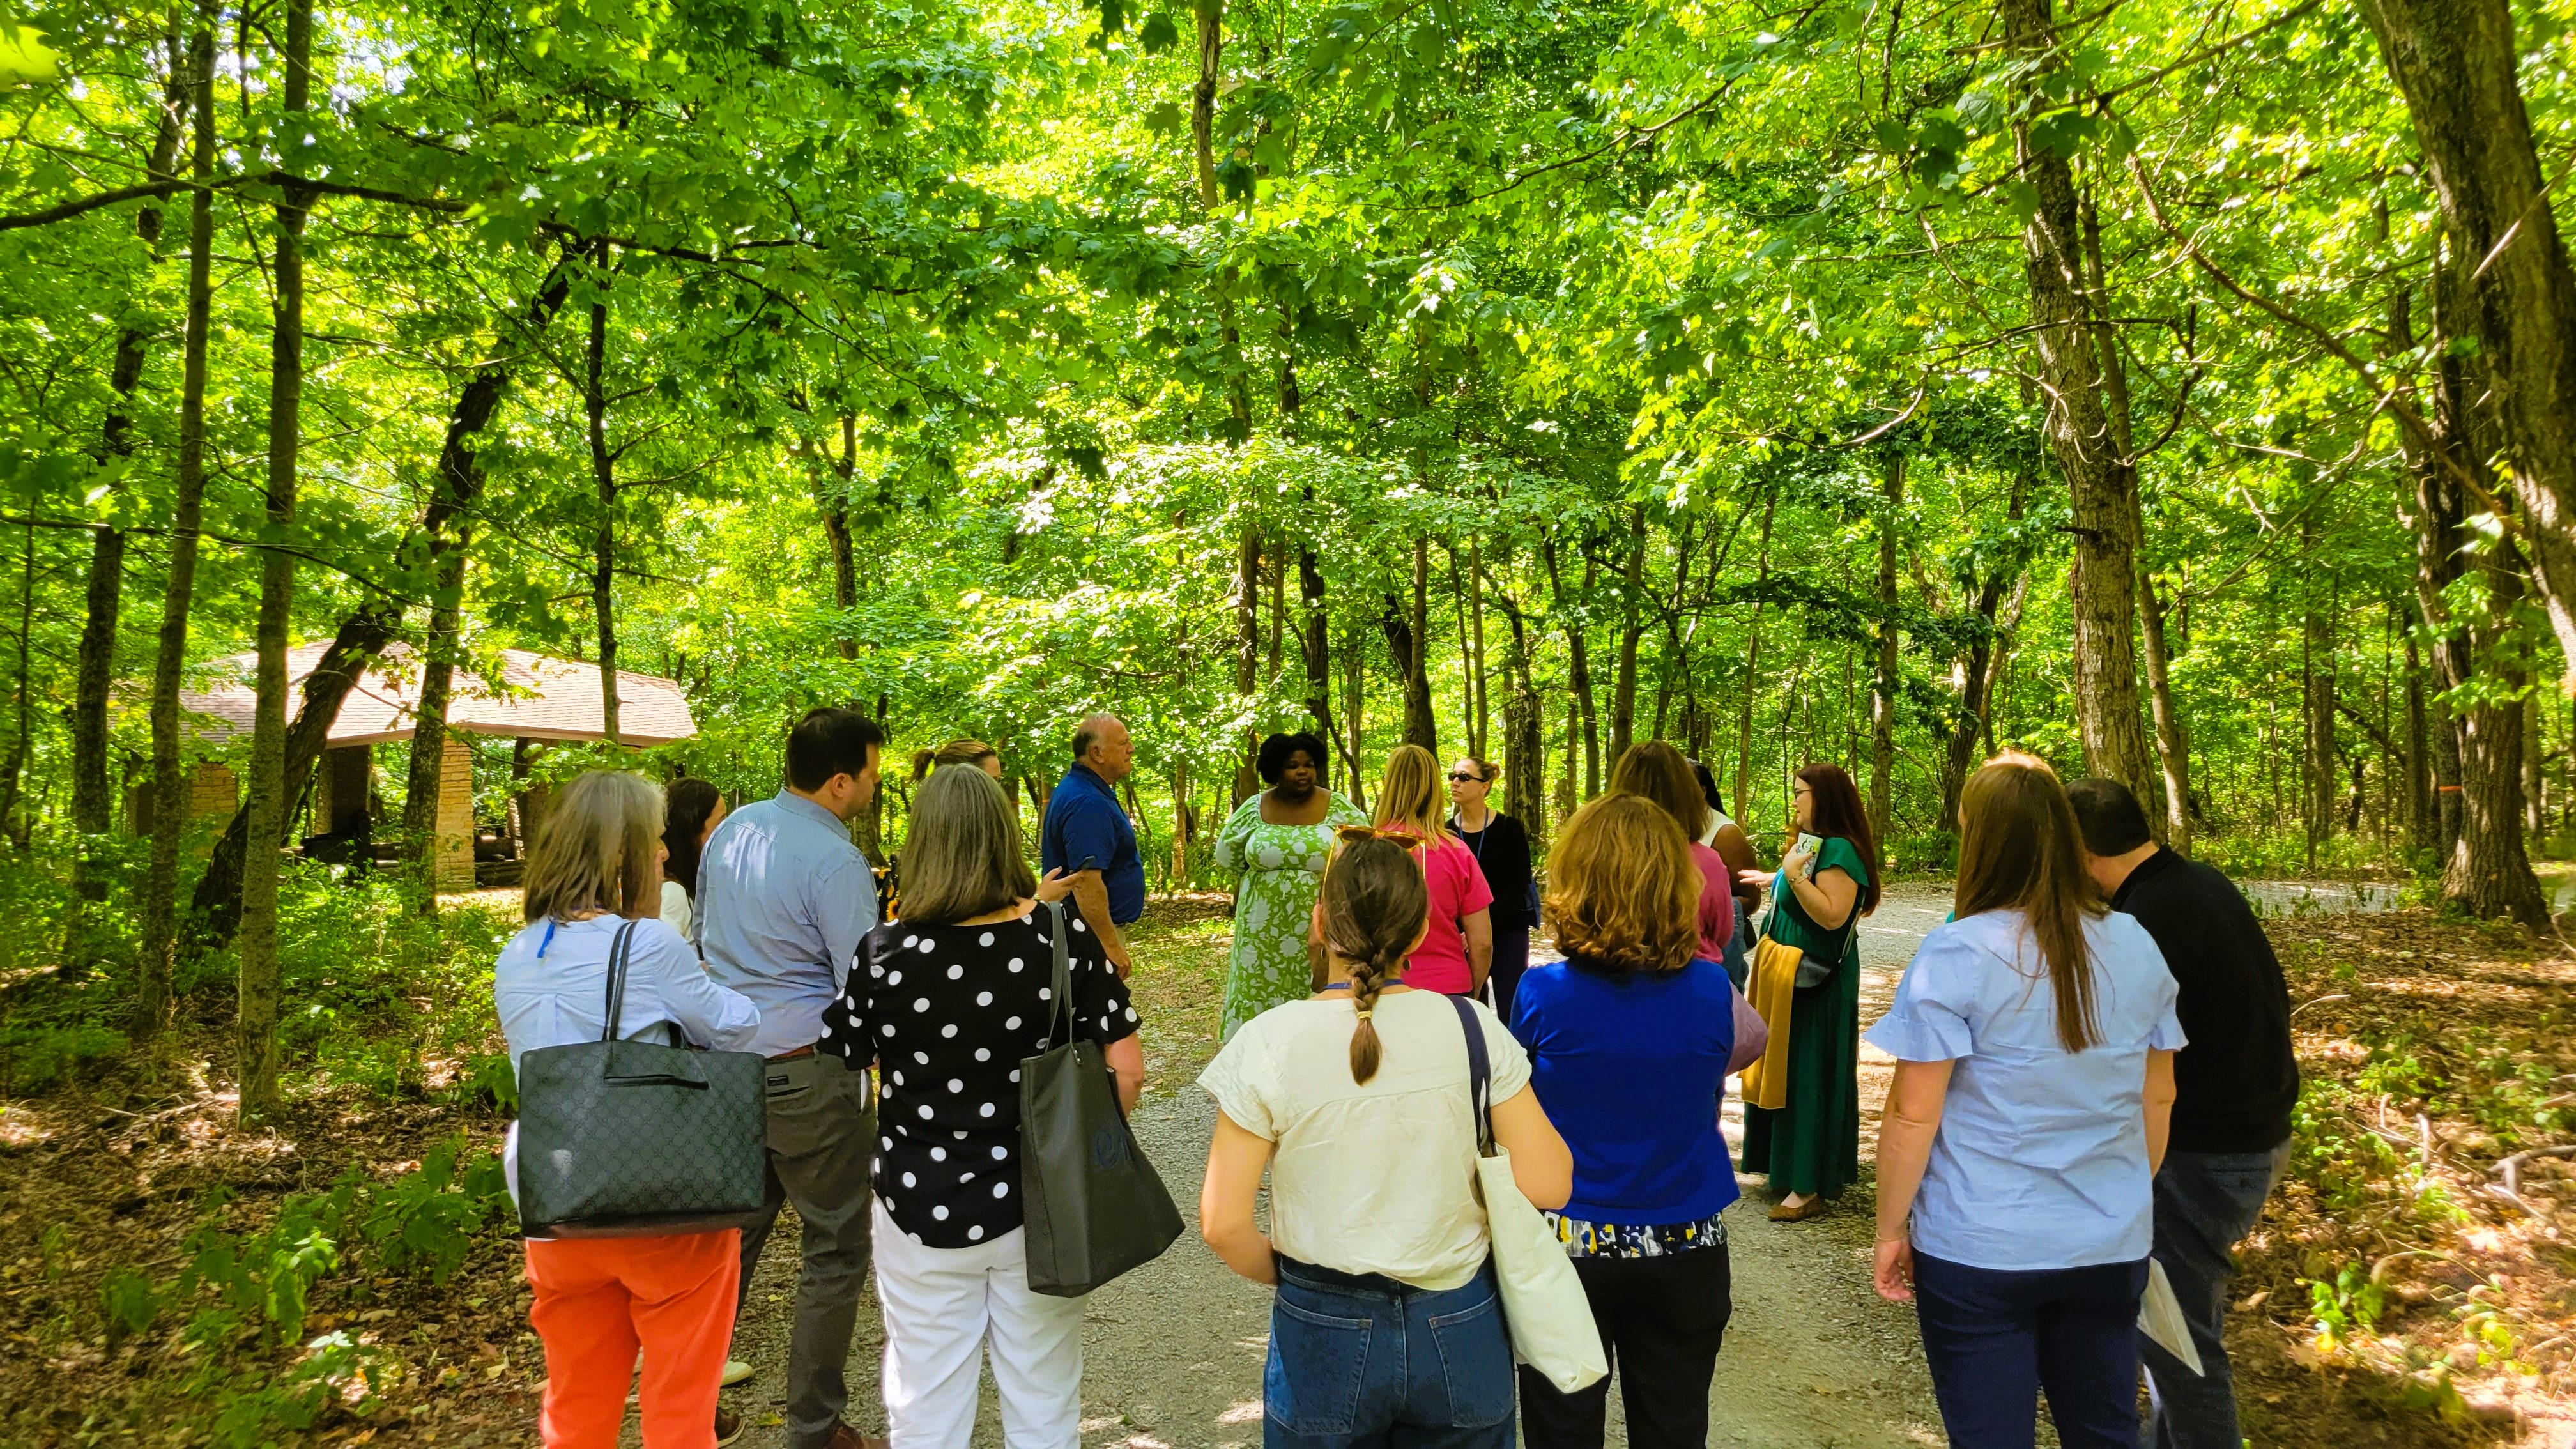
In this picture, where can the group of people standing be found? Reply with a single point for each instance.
(2039, 1142)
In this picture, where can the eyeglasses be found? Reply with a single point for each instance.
(1462, 777)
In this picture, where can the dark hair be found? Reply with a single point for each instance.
(1708, 789)
(1276, 750)
(2112, 820)
(1658, 772)
(1838, 812)
(2017, 852)
(1622, 889)
(1375, 903)
(828, 742)
(686, 804)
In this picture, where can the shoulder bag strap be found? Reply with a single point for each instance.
(1480, 1085)
(1062, 1006)
(617, 950)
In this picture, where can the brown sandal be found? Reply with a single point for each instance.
(1781, 1212)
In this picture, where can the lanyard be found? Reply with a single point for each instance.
(549, 940)
(1481, 836)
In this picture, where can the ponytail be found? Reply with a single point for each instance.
(1375, 903)
(955, 752)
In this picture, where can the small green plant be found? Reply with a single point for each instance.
(36, 1059)
(129, 1303)
(2349, 1305)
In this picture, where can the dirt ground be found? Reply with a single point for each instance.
(1173, 1352)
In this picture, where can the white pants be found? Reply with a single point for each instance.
(942, 1305)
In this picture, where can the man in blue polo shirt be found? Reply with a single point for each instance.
(1088, 836)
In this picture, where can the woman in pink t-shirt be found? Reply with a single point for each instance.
(1662, 774)
(1459, 948)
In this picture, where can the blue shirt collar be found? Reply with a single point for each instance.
(790, 801)
(1094, 776)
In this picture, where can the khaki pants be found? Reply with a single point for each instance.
(822, 1139)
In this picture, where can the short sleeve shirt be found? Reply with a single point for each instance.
(1376, 1177)
(1788, 923)
(1458, 889)
(2041, 1157)
(1086, 828)
(948, 1013)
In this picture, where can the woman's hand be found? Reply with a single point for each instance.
(1893, 1273)
(1757, 879)
(1795, 863)
(1056, 886)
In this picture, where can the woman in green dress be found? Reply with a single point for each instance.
(1810, 1146)
(1279, 840)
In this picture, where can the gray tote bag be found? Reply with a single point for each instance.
(1095, 1207)
(623, 1139)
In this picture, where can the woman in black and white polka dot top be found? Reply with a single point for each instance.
(948, 1000)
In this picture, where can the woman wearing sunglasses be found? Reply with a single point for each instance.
(1502, 850)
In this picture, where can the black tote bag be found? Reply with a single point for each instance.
(622, 1139)
(1095, 1206)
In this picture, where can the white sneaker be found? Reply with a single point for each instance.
(735, 1372)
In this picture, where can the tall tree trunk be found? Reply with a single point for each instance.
(603, 479)
(1354, 697)
(1478, 717)
(2422, 824)
(2456, 62)
(1977, 677)
(93, 802)
(1882, 692)
(836, 530)
(13, 771)
(1743, 798)
(170, 660)
(1524, 728)
(1407, 624)
(1578, 660)
(2317, 693)
(1632, 628)
(2173, 747)
(2490, 874)
(1247, 655)
(447, 522)
(2101, 480)
(1318, 645)
(255, 1026)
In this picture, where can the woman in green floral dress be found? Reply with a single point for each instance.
(1279, 840)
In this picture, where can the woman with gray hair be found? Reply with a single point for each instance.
(596, 874)
(955, 994)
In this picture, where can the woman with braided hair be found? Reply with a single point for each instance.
(1357, 1102)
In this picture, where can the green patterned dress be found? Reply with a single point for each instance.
(1281, 866)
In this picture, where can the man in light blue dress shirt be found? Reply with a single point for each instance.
(783, 898)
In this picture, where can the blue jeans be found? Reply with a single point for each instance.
(1360, 1360)
(2205, 1203)
(1994, 1339)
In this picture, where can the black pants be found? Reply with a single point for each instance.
(1661, 1321)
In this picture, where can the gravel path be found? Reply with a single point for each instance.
(1173, 1352)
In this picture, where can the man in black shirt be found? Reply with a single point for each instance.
(2234, 1086)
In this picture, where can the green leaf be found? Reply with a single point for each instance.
(1158, 33)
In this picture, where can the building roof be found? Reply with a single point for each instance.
(539, 697)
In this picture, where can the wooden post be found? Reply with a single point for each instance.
(453, 856)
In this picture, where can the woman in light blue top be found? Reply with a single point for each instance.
(2034, 1037)
(599, 1302)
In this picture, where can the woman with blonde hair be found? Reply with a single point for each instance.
(1458, 949)
(594, 875)
(957, 752)
(954, 996)
(1388, 1326)
(2034, 1039)
(1630, 1038)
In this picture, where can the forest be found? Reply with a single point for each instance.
(2185, 393)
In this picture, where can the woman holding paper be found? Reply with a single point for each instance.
(2034, 1039)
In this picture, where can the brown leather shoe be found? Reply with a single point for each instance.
(728, 1427)
(1813, 1207)
(845, 1437)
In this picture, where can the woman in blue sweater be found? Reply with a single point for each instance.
(1629, 1038)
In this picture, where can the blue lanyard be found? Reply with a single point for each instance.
(549, 940)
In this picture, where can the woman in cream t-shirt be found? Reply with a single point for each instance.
(1357, 1103)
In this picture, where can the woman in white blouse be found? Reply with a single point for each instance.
(691, 811)
(597, 868)
(1357, 1103)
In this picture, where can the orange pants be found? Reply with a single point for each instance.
(600, 1300)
